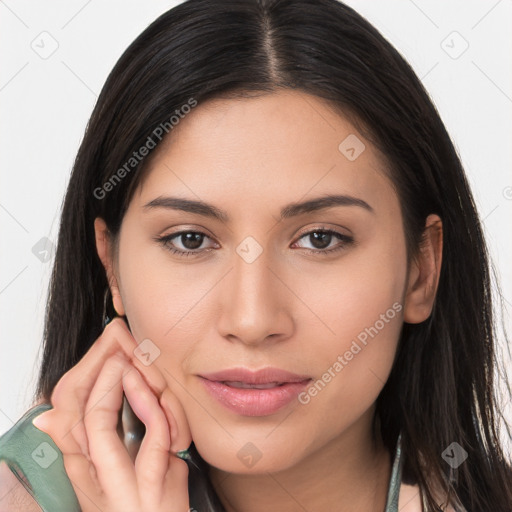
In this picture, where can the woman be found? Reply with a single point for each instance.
(283, 230)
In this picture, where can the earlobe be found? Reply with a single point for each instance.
(103, 247)
(423, 279)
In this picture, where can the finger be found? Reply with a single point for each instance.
(81, 378)
(112, 462)
(176, 487)
(61, 426)
(83, 478)
(152, 461)
(128, 345)
(115, 337)
(73, 389)
(176, 480)
(78, 467)
(181, 437)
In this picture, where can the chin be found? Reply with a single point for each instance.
(243, 456)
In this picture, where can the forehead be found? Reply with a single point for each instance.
(286, 143)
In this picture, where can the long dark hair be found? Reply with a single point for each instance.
(441, 388)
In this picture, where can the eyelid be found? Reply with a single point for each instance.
(344, 240)
(166, 239)
(184, 228)
(324, 227)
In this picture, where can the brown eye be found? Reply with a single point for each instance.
(321, 240)
(185, 243)
(191, 240)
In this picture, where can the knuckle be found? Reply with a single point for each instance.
(117, 361)
(60, 389)
(116, 326)
(114, 334)
(67, 386)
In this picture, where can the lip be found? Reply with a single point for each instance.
(253, 401)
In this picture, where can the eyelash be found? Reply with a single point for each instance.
(344, 239)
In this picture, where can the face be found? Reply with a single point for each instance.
(315, 292)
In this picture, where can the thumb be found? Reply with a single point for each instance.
(42, 421)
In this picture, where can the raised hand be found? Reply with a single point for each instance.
(84, 425)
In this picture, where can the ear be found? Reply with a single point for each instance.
(424, 273)
(104, 248)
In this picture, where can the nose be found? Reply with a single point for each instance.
(256, 304)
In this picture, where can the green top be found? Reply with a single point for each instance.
(38, 464)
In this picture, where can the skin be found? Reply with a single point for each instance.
(83, 423)
(289, 308)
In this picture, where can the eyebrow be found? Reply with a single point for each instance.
(288, 211)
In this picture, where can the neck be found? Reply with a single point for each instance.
(352, 471)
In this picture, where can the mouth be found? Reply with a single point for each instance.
(247, 385)
(268, 375)
(254, 393)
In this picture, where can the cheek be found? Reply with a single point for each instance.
(349, 310)
(355, 368)
(360, 304)
(155, 294)
(169, 304)
(157, 297)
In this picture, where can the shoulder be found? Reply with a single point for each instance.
(33, 476)
(409, 499)
(13, 495)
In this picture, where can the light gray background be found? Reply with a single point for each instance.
(46, 101)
